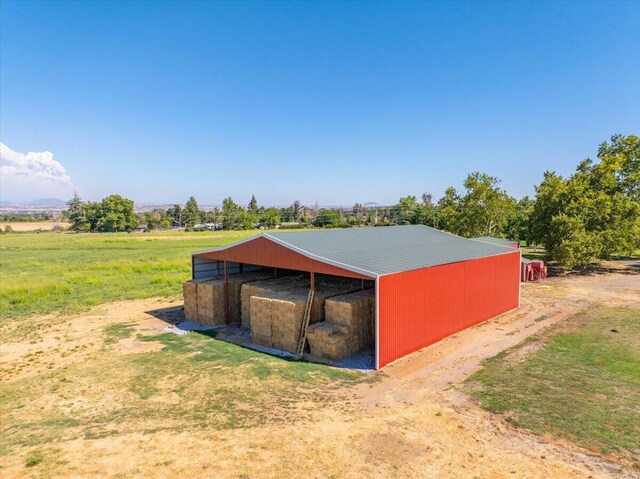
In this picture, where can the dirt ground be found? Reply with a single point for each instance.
(416, 422)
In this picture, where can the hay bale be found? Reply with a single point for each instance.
(204, 298)
(235, 287)
(287, 315)
(356, 311)
(261, 311)
(274, 309)
(189, 291)
(211, 302)
(348, 328)
(260, 288)
(329, 340)
(276, 318)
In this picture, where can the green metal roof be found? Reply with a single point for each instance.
(386, 249)
(494, 240)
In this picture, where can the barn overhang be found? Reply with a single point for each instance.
(266, 251)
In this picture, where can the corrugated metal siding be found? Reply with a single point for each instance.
(418, 308)
(263, 252)
(211, 268)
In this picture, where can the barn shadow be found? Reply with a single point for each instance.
(172, 315)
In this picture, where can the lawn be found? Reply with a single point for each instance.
(534, 253)
(578, 382)
(66, 272)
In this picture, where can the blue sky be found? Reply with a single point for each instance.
(330, 102)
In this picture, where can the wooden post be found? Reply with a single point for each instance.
(312, 287)
(226, 294)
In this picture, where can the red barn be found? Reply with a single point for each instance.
(428, 284)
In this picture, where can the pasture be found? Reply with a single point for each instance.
(66, 272)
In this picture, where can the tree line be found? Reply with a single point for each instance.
(593, 214)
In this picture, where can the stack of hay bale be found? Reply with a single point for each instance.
(277, 318)
(348, 327)
(204, 298)
(276, 308)
(190, 293)
(236, 282)
(260, 288)
(211, 302)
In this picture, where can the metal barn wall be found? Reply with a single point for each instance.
(417, 308)
(263, 252)
(211, 268)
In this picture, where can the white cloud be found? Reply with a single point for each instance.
(30, 176)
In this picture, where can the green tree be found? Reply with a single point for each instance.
(253, 204)
(246, 220)
(230, 213)
(326, 218)
(595, 213)
(270, 218)
(175, 214)
(405, 210)
(93, 213)
(116, 213)
(296, 210)
(519, 223)
(150, 220)
(484, 209)
(77, 214)
(449, 208)
(427, 215)
(192, 214)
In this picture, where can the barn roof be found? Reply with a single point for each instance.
(382, 250)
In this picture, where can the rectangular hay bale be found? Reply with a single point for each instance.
(348, 327)
(261, 312)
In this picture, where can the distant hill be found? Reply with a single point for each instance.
(46, 202)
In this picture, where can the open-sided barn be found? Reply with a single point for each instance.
(426, 284)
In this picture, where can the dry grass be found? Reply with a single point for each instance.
(23, 226)
(93, 377)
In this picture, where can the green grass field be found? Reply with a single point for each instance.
(55, 272)
(578, 382)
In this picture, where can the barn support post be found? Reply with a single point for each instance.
(376, 346)
(226, 293)
(312, 288)
(193, 267)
